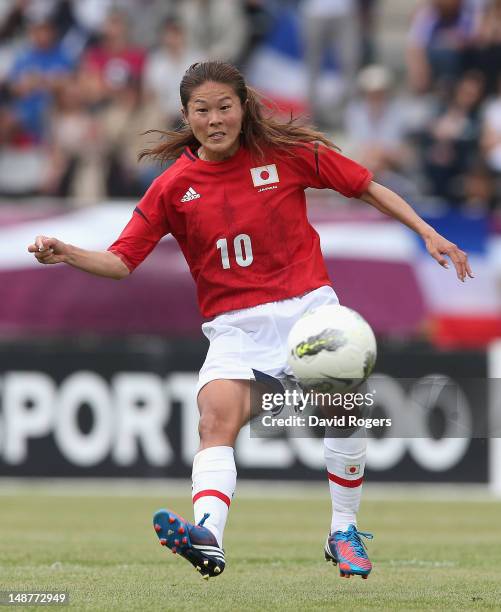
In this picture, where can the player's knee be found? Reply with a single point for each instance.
(211, 424)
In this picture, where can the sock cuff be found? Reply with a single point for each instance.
(347, 446)
(215, 458)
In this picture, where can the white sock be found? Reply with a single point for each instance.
(214, 478)
(345, 462)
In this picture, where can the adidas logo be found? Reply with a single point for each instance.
(191, 194)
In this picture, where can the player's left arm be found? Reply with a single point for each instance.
(391, 204)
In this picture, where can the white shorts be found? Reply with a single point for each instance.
(256, 338)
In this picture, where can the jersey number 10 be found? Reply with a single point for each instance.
(243, 251)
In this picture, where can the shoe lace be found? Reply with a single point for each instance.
(204, 518)
(353, 537)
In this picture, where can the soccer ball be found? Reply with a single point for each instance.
(332, 349)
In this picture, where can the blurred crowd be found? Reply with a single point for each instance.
(81, 81)
(443, 128)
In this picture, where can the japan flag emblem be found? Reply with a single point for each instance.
(264, 175)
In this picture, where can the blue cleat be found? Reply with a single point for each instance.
(195, 543)
(346, 549)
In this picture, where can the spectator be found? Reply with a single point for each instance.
(12, 23)
(375, 122)
(75, 163)
(479, 190)
(259, 20)
(123, 124)
(440, 35)
(114, 61)
(93, 149)
(450, 144)
(12, 18)
(215, 29)
(488, 45)
(367, 17)
(375, 126)
(491, 133)
(36, 71)
(75, 21)
(330, 25)
(164, 69)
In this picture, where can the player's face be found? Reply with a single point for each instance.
(215, 116)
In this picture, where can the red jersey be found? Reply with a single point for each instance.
(242, 224)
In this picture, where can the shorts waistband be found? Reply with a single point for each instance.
(244, 311)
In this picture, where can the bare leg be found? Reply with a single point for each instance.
(224, 407)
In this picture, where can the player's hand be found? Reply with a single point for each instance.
(48, 250)
(440, 248)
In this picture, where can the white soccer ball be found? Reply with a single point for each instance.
(332, 348)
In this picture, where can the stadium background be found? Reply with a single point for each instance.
(97, 378)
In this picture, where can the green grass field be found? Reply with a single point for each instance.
(102, 549)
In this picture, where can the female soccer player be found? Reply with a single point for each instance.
(234, 200)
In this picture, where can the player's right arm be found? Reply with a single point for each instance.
(101, 263)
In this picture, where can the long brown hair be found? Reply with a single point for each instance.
(258, 130)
